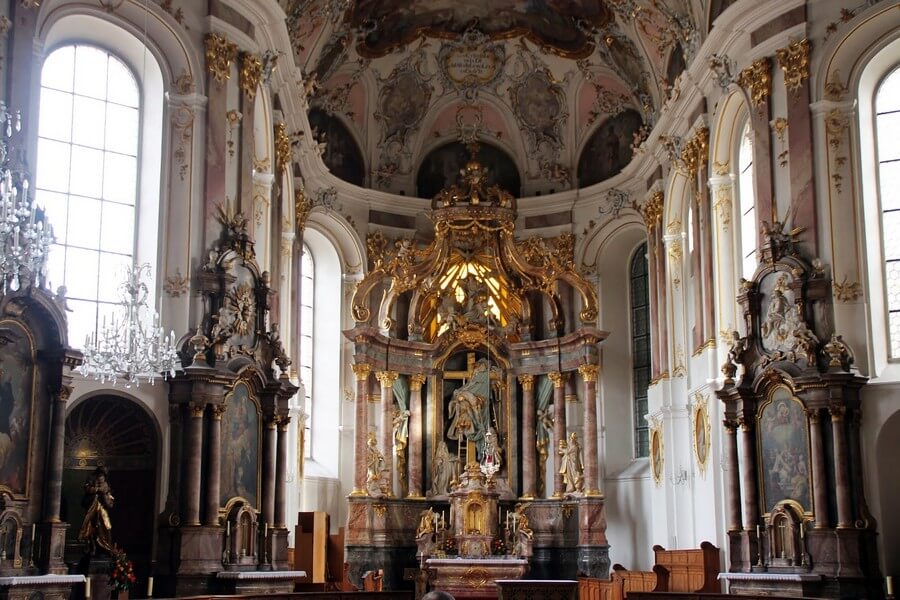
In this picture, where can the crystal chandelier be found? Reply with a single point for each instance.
(133, 345)
(24, 236)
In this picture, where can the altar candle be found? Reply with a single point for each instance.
(757, 532)
(87, 587)
(32, 538)
(889, 585)
(227, 528)
(150, 587)
(801, 530)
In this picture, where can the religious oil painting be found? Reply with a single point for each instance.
(656, 454)
(608, 150)
(784, 449)
(16, 390)
(240, 447)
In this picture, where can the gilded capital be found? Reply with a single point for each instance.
(251, 74)
(757, 80)
(217, 411)
(589, 372)
(558, 379)
(794, 61)
(302, 208)
(837, 412)
(197, 409)
(220, 53)
(361, 370)
(283, 423)
(387, 378)
(526, 381)
(415, 381)
(813, 415)
(651, 211)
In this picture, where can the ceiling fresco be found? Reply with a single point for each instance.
(536, 80)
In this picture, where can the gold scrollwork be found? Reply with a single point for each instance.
(651, 211)
(757, 80)
(379, 509)
(302, 208)
(250, 74)
(220, 53)
(282, 148)
(794, 61)
(847, 291)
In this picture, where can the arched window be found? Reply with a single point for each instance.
(640, 348)
(887, 131)
(747, 204)
(307, 325)
(87, 176)
(99, 158)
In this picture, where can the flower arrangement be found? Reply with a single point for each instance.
(122, 575)
(498, 547)
(450, 547)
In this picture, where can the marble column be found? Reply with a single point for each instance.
(214, 465)
(361, 371)
(707, 252)
(695, 257)
(662, 314)
(748, 473)
(193, 449)
(281, 470)
(841, 474)
(387, 379)
(529, 437)
(652, 266)
(414, 447)
(268, 470)
(559, 430)
(57, 455)
(591, 483)
(733, 473)
(820, 483)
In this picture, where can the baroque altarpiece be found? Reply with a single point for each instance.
(469, 346)
(798, 523)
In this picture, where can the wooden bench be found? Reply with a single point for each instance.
(622, 582)
(690, 570)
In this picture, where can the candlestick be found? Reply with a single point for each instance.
(227, 528)
(150, 587)
(757, 532)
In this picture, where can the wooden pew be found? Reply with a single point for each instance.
(690, 570)
(621, 582)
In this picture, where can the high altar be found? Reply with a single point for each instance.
(466, 352)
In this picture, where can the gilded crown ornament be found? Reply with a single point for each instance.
(757, 80)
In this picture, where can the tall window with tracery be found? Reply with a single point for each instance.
(87, 177)
(307, 326)
(640, 348)
(747, 204)
(887, 131)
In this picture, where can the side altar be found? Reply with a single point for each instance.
(476, 359)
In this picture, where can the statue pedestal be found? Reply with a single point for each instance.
(474, 577)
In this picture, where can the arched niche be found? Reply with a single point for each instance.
(441, 167)
(115, 432)
(342, 154)
(608, 150)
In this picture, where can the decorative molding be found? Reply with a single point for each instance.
(722, 205)
(176, 285)
(794, 61)
(302, 208)
(835, 90)
(757, 80)
(282, 148)
(651, 211)
(701, 438)
(220, 53)
(847, 291)
(250, 74)
(589, 372)
(657, 452)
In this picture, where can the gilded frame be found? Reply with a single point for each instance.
(701, 431)
(21, 328)
(657, 453)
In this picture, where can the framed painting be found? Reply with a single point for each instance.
(783, 439)
(701, 431)
(17, 394)
(656, 453)
(240, 447)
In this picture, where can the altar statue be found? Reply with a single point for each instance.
(470, 410)
(374, 460)
(522, 534)
(427, 523)
(490, 461)
(442, 469)
(572, 468)
(96, 529)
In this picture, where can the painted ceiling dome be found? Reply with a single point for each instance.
(556, 94)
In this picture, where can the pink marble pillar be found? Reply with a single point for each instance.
(361, 371)
(414, 447)
(748, 473)
(652, 266)
(591, 479)
(192, 463)
(820, 483)
(214, 466)
(841, 462)
(559, 430)
(733, 482)
(529, 437)
(387, 379)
